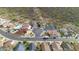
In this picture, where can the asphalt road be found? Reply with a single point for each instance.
(15, 37)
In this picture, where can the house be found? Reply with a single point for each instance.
(22, 29)
(63, 30)
(29, 33)
(38, 46)
(21, 32)
(77, 36)
(18, 26)
(26, 26)
(14, 43)
(66, 32)
(2, 40)
(7, 46)
(55, 46)
(1, 43)
(51, 30)
(67, 46)
(19, 47)
(2, 21)
(76, 46)
(50, 26)
(32, 47)
(53, 33)
(45, 46)
(45, 34)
